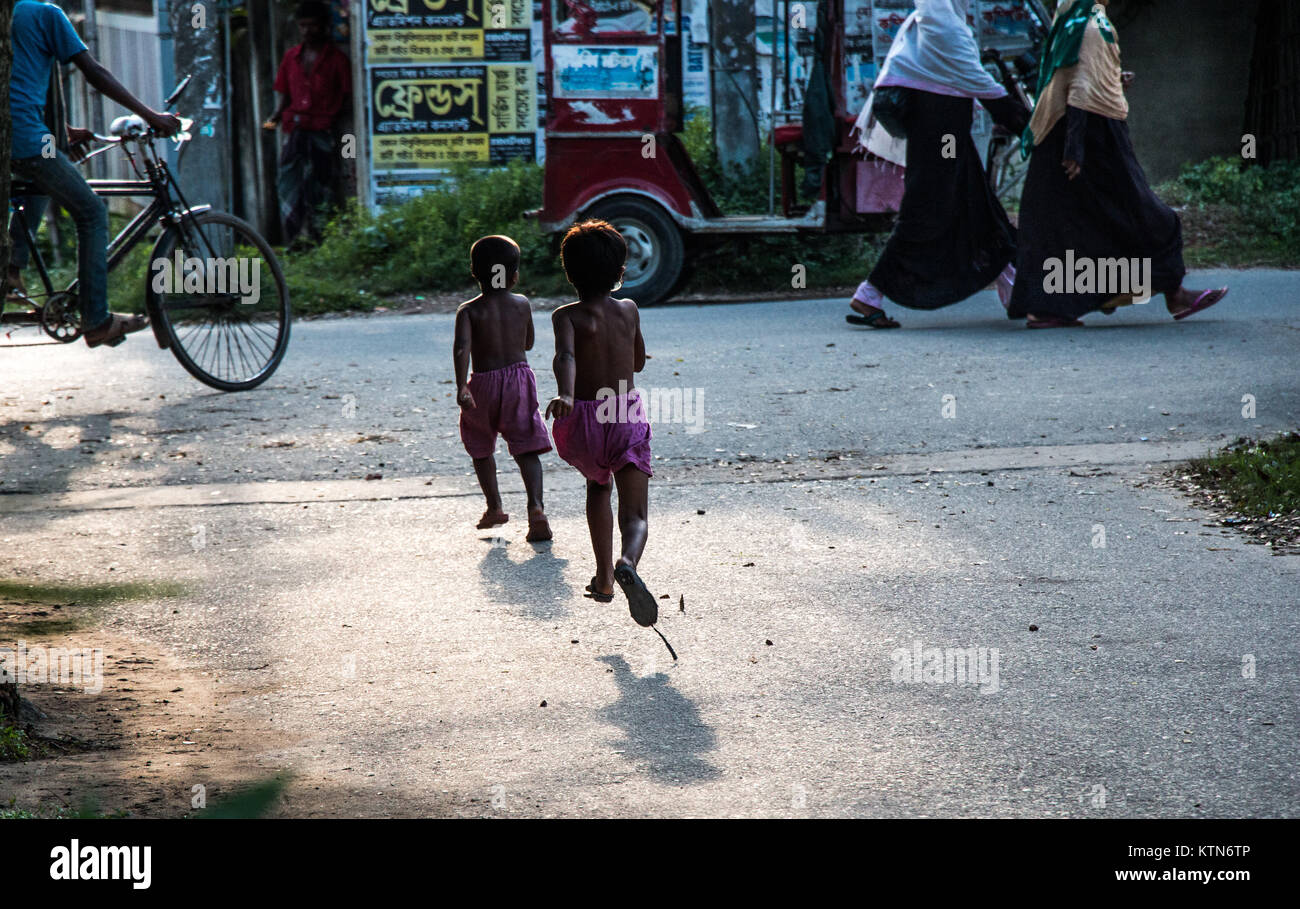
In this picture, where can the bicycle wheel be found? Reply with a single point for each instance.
(219, 291)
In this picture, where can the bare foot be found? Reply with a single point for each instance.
(539, 529)
(491, 518)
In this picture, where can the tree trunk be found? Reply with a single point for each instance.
(1273, 102)
(6, 61)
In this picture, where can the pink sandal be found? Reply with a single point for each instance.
(1202, 303)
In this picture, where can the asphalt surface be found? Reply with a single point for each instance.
(833, 512)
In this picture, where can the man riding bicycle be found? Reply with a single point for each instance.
(41, 35)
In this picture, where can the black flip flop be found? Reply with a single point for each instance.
(594, 594)
(640, 602)
(870, 321)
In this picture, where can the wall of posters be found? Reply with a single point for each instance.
(449, 82)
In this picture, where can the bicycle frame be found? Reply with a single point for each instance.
(164, 209)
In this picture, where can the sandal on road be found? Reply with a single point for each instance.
(594, 594)
(1207, 299)
(640, 602)
(869, 316)
(1053, 323)
(114, 331)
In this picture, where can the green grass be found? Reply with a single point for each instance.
(254, 801)
(1260, 478)
(14, 745)
(89, 808)
(87, 594)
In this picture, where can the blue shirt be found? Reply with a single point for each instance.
(41, 34)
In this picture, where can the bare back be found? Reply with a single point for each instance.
(500, 329)
(607, 344)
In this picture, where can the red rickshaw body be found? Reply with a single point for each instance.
(613, 82)
(611, 132)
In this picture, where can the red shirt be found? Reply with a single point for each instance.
(315, 99)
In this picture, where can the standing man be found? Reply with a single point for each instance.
(313, 82)
(41, 36)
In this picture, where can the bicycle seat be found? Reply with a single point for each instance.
(129, 127)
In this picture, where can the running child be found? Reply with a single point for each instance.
(600, 424)
(494, 331)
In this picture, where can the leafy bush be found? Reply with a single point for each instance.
(1237, 215)
(423, 243)
(1269, 197)
(13, 742)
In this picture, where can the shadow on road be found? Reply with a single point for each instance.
(661, 726)
(536, 584)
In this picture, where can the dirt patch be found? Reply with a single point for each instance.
(139, 746)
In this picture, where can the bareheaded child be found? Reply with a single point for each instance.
(600, 424)
(494, 331)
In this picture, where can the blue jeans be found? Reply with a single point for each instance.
(59, 179)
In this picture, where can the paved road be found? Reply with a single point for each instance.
(833, 512)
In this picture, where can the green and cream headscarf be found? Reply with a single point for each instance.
(1080, 68)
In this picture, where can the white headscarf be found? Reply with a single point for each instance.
(936, 47)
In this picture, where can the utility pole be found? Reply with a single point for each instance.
(198, 48)
(6, 64)
(734, 73)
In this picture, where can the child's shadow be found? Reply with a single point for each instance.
(536, 584)
(661, 726)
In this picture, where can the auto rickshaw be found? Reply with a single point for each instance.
(613, 82)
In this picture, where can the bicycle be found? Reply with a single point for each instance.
(218, 334)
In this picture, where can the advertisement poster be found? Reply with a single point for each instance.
(437, 31)
(887, 18)
(605, 17)
(859, 53)
(430, 117)
(1006, 25)
(628, 71)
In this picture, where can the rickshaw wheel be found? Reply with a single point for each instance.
(655, 252)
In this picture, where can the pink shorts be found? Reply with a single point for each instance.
(602, 437)
(505, 402)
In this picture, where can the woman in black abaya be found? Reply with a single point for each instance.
(1086, 199)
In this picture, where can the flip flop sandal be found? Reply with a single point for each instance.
(640, 602)
(594, 594)
(1054, 323)
(1199, 306)
(871, 321)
